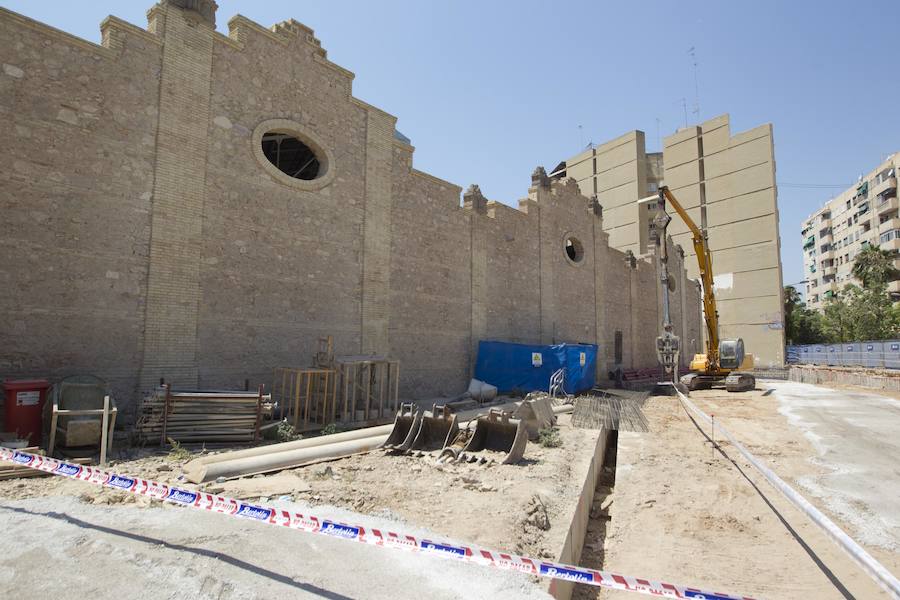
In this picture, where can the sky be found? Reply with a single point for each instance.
(488, 89)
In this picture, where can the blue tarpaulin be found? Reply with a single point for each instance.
(527, 367)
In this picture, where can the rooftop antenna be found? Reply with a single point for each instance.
(684, 106)
(580, 137)
(692, 51)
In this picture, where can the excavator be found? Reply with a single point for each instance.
(724, 359)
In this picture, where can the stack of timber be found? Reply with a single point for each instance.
(14, 472)
(200, 416)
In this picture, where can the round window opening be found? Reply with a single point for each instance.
(574, 250)
(291, 156)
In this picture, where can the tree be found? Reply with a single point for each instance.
(874, 267)
(871, 313)
(836, 322)
(802, 325)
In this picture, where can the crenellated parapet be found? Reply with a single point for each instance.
(224, 257)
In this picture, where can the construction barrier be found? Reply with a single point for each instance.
(872, 567)
(376, 537)
(883, 354)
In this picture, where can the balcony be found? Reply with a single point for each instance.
(809, 242)
(889, 225)
(888, 183)
(827, 286)
(891, 246)
(887, 205)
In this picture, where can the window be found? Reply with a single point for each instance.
(890, 235)
(618, 347)
(291, 156)
(574, 250)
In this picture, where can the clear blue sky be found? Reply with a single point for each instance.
(487, 90)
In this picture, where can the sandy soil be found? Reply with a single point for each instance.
(682, 513)
(523, 508)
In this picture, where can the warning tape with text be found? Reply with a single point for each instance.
(367, 535)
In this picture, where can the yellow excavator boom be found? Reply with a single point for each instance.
(704, 260)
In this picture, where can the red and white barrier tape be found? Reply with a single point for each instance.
(376, 537)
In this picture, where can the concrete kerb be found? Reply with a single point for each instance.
(572, 545)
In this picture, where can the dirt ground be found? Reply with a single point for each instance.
(523, 508)
(673, 509)
(681, 512)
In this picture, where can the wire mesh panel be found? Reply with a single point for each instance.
(792, 354)
(833, 355)
(872, 355)
(851, 354)
(892, 354)
(817, 355)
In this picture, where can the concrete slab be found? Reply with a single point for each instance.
(65, 548)
(856, 435)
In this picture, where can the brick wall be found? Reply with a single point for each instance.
(146, 236)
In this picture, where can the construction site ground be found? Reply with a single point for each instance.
(676, 511)
(525, 508)
(681, 512)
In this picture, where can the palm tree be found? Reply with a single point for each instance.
(874, 267)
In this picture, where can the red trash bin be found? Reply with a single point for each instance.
(24, 408)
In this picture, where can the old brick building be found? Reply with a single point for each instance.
(183, 204)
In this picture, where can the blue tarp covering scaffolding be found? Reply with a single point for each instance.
(528, 367)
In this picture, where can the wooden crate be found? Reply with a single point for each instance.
(305, 396)
(368, 389)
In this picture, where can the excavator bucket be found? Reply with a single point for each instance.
(406, 424)
(497, 437)
(437, 429)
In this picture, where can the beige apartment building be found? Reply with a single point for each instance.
(727, 184)
(865, 214)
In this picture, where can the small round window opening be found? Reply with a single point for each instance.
(574, 250)
(291, 156)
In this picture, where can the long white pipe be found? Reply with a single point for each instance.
(249, 464)
(322, 440)
(872, 567)
(356, 434)
(264, 463)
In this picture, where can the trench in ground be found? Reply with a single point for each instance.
(595, 536)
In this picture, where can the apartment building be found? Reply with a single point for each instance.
(726, 182)
(865, 214)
